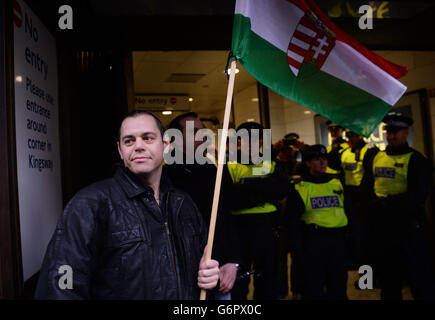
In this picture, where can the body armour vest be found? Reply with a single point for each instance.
(344, 146)
(240, 172)
(323, 203)
(390, 173)
(353, 168)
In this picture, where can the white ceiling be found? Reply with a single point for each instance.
(152, 68)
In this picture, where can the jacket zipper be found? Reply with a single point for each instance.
(171, 250)
(183, 248)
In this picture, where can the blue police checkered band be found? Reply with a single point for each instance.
(325, 202)
(399, 124)
(385, 172)
(350, 166)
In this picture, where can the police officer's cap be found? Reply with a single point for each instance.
(396, 120)
(331, 124)
(291, 135)
(250, 126)
(314, 151)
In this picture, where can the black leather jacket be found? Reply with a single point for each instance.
(121, 244)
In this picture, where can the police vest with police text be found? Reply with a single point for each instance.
(240, 172)
(353, 169)
(323, 203)
(390, 173)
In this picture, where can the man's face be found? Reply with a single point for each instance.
(317, 165)
(141, 146)
(197, 125)
(397, 136)
(335, 131)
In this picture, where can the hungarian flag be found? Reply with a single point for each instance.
(295, 49)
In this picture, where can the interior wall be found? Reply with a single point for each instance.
(246, 106)
(421, 74)
(277, 121)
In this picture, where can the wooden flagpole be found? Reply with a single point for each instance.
(221, 158)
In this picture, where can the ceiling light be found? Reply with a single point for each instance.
(254, 99)
(229, 71)
(167, 113)
(19, 79)
(190, 99)
(307, 112)
(250, 120)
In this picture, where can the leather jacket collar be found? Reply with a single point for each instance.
(133, 186)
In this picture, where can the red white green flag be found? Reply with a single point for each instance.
(295, 49)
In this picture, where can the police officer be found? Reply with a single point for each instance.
(319, 223)
(264, 183)
(398, 180)
(288, 152)
(337, 146)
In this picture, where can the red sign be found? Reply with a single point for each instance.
(173, 100)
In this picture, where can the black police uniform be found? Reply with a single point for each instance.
(257, 229)
(317, 225)
(354, 201)
(396, 221)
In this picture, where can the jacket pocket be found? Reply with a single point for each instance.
(125, 237)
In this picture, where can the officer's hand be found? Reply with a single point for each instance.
(208, 274)
(228, 273)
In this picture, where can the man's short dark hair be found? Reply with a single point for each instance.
(137, 113)
(291, 135)
(250, 125)
(175, 123)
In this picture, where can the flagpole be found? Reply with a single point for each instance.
(221, 159)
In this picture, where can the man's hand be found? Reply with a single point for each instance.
(228, 273)
(208, 274)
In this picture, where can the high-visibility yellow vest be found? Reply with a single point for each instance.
(390, 173)
(344, 146)
(241, 172)
(323, 203)
(353, 169)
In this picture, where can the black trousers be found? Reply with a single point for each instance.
(259, 248)
(400, 252)
(324, 264)
(296, 273)
(354, 209)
